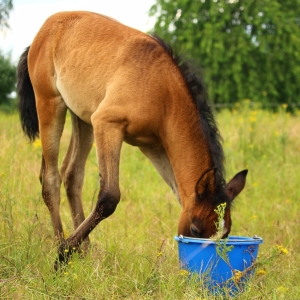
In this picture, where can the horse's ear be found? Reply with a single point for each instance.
(236, 184)
(206, 183)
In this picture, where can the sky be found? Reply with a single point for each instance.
(27, 17)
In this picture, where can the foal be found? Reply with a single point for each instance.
(120, 84)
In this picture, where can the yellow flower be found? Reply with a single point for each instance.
(66, 250)
(282, 289)
(282, 249)
(261, 272)
(159, 254)
(184, 272)
(37, 143)
(237, 275)
(284, 105)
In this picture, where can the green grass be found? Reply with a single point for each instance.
(133, 253)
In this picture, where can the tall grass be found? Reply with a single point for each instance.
(133, 253)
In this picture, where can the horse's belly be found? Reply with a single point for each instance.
(81, 104)
(141, 141)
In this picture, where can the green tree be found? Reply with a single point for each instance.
(247, 48)
(7, 69)
(5, 7)
(7, 78)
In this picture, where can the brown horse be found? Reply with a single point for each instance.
(120, 84)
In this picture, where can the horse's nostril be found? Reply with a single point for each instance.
(195, 231)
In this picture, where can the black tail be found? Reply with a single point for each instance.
(27, 106)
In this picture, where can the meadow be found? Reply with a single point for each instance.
(133, 253)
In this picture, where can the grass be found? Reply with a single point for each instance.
(133, 253)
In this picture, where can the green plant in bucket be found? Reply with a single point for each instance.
(221, 248)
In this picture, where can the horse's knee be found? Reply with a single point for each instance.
(50, 190)
(68, 179)
(72, 181)
(107, 203)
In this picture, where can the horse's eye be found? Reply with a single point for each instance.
(195, 231)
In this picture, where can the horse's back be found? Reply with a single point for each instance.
(85, 56)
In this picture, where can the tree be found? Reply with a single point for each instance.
(7, 78)
(5, 7)
(247, 48)
(7, 69)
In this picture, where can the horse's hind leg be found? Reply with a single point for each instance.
(51, 113)
(72, 170)
(109, 127)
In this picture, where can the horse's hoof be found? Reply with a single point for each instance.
(64, 253)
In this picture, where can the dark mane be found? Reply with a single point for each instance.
(199, 95)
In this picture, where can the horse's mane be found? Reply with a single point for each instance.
(199, 95)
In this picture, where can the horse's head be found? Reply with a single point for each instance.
(198, 217)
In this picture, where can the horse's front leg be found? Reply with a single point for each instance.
(108, 134)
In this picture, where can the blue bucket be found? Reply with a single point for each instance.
(200, 256)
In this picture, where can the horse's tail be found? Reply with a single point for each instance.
(27, 106)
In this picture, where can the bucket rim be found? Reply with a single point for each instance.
(231, 240)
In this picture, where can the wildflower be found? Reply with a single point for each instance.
(237, 275)
(284, 105)
(282, 249)
(69, 263)
(282, 289)
(66, 273)
(252, 119)
(159, 254)
(37, 143)
(254, 184)
(254, 217)
(184, 272)
(66, 250)
(261, 272)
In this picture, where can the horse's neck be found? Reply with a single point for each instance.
(187, 148)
